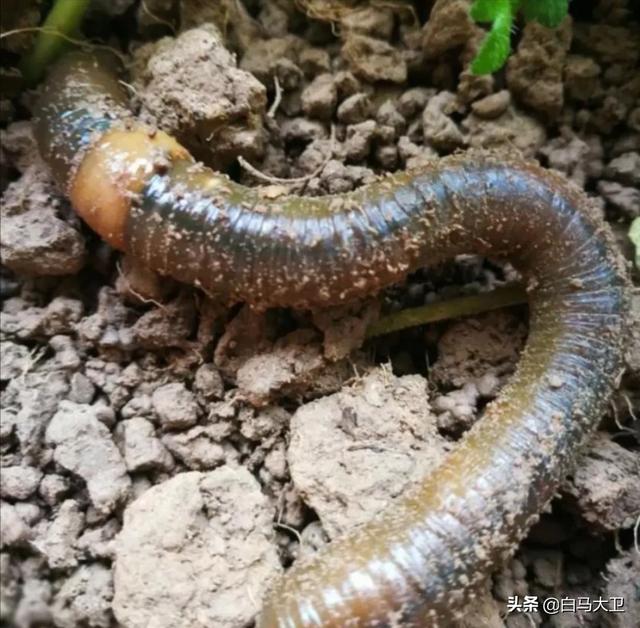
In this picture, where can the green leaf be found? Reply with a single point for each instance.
(548, 12)
(497, 44)
(485, 10)
(490, 10)
(634, 236)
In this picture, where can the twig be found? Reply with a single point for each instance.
(293, 531)
(631, 412)
(616, 542)
(35, 355)
(278, 523)
(81, 43)
(252, 598)
(136, 294)
(277, 99)
(158, 19)
(453, 308)
(131, 88)
(35, 29)
(387, 370)
(624, 430)
(616, 416)
(271, 179)
(354, 367)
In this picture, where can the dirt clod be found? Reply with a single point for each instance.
(175, 406)
(512, 129)
(84, 446)
(262, 56)
(13, 529)
(449, 26)
(19, 482)
(142, 449)
(622, 581)
(472, 346)
(197, 448)
(440, 131)
(34, 239)
(375, 439)
(604, 485)
(58, 543)
(319, 98)
(373, 59)
(625, 169)
(534, 72)
(492, 106)
(190, 86)
(193, 550)
(85, 598)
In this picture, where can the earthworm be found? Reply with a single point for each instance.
(422, 558)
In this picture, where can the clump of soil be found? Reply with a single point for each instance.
(375, 439)
(164, 457)
(190, 87)
(203, 556)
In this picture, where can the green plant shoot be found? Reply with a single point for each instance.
(63, 21)
(496, 46)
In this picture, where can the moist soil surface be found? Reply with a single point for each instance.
(165, 456)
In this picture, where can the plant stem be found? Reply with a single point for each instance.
(453, 308)
(63, 20)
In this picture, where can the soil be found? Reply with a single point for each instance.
(164, 457)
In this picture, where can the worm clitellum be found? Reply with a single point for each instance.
(418, 562)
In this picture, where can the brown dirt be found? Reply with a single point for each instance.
(151, 437)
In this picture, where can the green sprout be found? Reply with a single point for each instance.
(62, 22)
(496, 46)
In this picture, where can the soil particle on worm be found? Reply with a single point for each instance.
(152, 437)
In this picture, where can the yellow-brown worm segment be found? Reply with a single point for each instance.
(419, 561)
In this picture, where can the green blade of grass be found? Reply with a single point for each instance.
(63, 20)
(451, 308)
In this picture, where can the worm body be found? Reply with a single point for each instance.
(419, 561)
